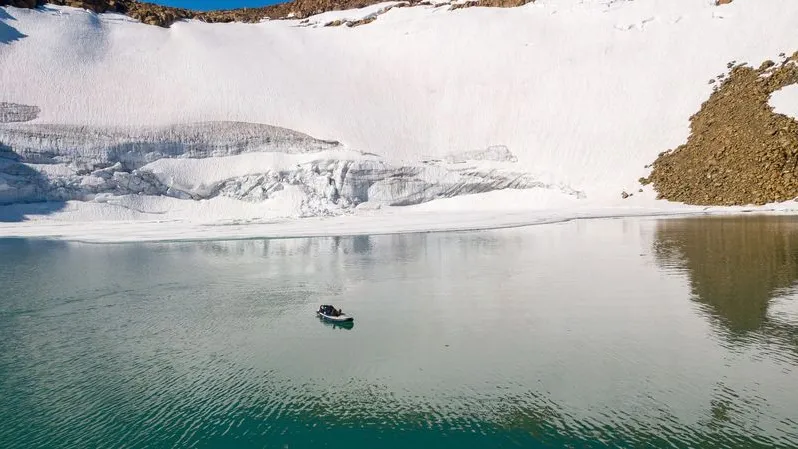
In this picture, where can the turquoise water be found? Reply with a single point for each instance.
(606, 333)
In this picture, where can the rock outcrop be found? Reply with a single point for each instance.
(739, 151)
(164, 16)
(21, 3)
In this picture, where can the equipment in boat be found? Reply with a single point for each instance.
(330, 313)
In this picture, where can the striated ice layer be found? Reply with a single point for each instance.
(246, 162)
(13, 112)
(91, 147)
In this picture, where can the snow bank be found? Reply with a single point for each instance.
(785, 101)
(125, 225)
(353, 15)
(584, 93)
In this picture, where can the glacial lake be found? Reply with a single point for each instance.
(586, 334)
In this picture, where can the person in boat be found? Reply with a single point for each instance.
(329, 310)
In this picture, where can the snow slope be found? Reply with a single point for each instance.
(583, 93)
(785, 101)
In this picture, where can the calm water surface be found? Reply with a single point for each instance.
(608, 333)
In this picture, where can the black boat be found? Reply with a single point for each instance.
(332, 314)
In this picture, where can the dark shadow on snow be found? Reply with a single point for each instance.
(26, 193)
(12, 213)
(8, 33)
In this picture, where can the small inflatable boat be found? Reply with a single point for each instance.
(332, 314)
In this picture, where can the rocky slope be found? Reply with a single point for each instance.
(739, 151)
(297, 9)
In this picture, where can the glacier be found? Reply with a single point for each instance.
(424, 119)
(241, 161)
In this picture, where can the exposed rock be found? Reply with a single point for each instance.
(490, 3)
(363, 21)
(21, 3)
(503, 3)
(164, 16)
(739, 151)
(465, 4)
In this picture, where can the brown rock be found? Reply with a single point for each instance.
(297, 9)
(356, 23)
(739, 151)
(19, 3)
(466, 4)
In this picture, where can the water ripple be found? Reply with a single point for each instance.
(218, 347)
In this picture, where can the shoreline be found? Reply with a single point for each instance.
(125, 232)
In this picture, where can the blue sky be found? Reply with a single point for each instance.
(207, 5)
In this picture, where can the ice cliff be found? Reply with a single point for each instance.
(242, 161)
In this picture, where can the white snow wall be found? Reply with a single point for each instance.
(587, 92)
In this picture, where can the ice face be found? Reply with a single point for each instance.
(98, 147)
(13, 112)
(242, 161)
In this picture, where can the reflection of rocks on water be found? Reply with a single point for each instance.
(735, 265)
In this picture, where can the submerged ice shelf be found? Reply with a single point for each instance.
(245, 162)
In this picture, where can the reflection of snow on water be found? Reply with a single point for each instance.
(784, 309)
